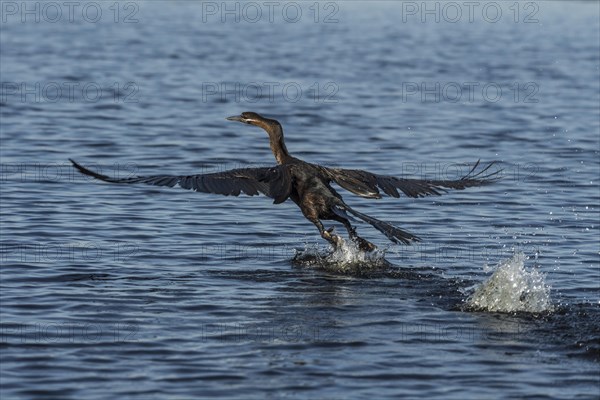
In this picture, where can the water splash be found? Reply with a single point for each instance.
(345, 258)
(512, 288)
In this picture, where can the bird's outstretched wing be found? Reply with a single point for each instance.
(274, 182)
(367, 184)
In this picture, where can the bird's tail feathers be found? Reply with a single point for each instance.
(396, 235)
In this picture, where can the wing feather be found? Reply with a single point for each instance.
(367, 184)
(274, 182)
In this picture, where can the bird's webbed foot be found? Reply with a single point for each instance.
(363, 244)
(331, 237)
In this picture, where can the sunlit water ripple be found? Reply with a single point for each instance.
(143, 292)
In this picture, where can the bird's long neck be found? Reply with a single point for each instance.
(277, 143)
(279, 150)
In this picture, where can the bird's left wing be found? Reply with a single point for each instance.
(274, 182)
(367, 184)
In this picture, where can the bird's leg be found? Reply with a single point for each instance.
(363, 244)
(327, 234)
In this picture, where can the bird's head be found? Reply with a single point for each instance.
(251, 118)
(273, 129)
(272, 126)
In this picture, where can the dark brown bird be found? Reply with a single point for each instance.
(309, 186)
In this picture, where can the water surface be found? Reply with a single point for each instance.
(143, 292)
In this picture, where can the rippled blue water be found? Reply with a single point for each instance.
(143, 292)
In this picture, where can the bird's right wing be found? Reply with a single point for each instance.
(274, 182)
(367, 184)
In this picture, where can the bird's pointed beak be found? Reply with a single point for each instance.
(235, 118)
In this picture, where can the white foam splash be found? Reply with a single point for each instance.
(345, 258)
(512, 288)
